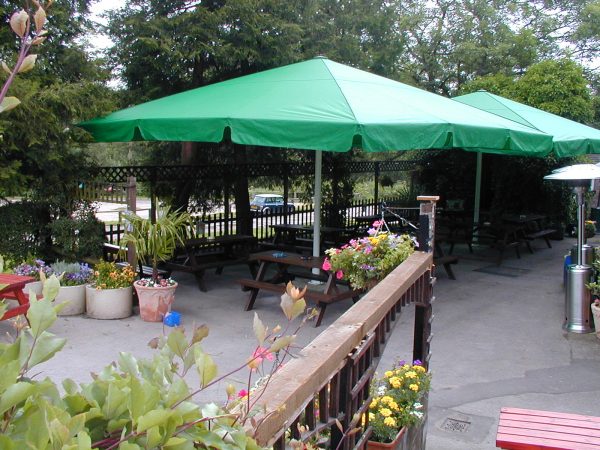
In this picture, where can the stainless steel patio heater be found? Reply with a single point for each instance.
(577, 295)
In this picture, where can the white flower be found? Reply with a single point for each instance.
(417, 405)
(381, 390)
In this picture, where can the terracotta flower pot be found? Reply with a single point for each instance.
(399, 442)
(155, 302)
(108, 303)
(74, 296)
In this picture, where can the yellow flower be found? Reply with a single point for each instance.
(386, 399)
(419, 368)
(385, 412)
(373, 404)
(389, 421)
(371, 416)
(393, 405)
(395, 382)
(414, 387)
(388, 373)
(411, 374)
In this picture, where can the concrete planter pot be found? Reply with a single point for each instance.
(108, 303)
(35, 286)
(74, 297)
(596, 315)
(155, 302)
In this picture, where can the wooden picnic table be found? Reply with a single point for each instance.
(11, 287)
(277, 283)
(199, 255)
(297, 238)
(521, 429)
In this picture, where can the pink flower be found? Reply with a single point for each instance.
(339, 274)
(243, 393)
(262, 353)
(377, 223)
(326, 265)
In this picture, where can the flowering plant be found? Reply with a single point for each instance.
(159, 282)
(72, 274)
(398, 400)
(110, 276)
(369, 259)
(32, 268)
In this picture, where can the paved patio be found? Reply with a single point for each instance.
(497, 341)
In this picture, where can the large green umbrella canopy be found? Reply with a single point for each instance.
(569, 138)
(319, 105)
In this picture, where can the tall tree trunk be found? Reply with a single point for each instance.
(243, 220)
(182, 197)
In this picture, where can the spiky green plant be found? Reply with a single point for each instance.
(156, 242)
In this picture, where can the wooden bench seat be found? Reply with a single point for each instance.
(322, 299)
(522, 429)
(541, 234)
(446, 262)
(215, 261)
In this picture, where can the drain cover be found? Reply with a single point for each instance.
(455, 426)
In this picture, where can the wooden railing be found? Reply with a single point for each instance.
(328, 382)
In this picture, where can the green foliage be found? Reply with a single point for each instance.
(156, 242)
(23, 230)
(78, 235)
(132, 403)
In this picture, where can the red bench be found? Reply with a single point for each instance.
(522, 429)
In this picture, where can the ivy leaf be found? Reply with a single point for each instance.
(177, 342)
(282, 342)
(9, 103)
(45, 348)
(260, 331)
(207, 369)
(298, 308)
(156, 417)
(41, 316)
(51, 287)
(287, 305)
(16, 394)
(200, 333)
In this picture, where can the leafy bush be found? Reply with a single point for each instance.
(132, 404)
(23, 230)
(79, 235)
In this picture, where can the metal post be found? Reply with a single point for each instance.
(427, 222)
(132, 208)
(477, 189)
(286, 193)
(376, 188)
(317, 206)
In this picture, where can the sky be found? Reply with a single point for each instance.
(100, 41)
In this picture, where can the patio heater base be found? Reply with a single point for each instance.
(578, 299)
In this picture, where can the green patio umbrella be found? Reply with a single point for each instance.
(319, 105)
(569, 138)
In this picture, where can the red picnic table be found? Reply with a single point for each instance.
(522, 429)
(11, 287)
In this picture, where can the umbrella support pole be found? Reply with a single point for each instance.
(317, 200)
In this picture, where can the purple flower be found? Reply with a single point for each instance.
(371, 231)
(417, 362)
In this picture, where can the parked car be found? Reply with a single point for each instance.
(268, 203)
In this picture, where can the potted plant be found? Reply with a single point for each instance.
(365, 261)
(110, 296)
(156, 242)
(589, 229)
(32, 268)
(397, 413)
(73, 278)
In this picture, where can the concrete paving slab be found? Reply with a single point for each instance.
(497, 341)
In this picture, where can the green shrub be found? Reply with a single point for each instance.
(23, 230)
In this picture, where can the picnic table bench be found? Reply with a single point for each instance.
(200, 255)
(332, 292)
(11, 287)
(522, 429)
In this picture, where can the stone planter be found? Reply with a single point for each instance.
(74, 297)
(411, 438)
(155, 302)
(596, 315)
(108, 303)
(35, 286)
